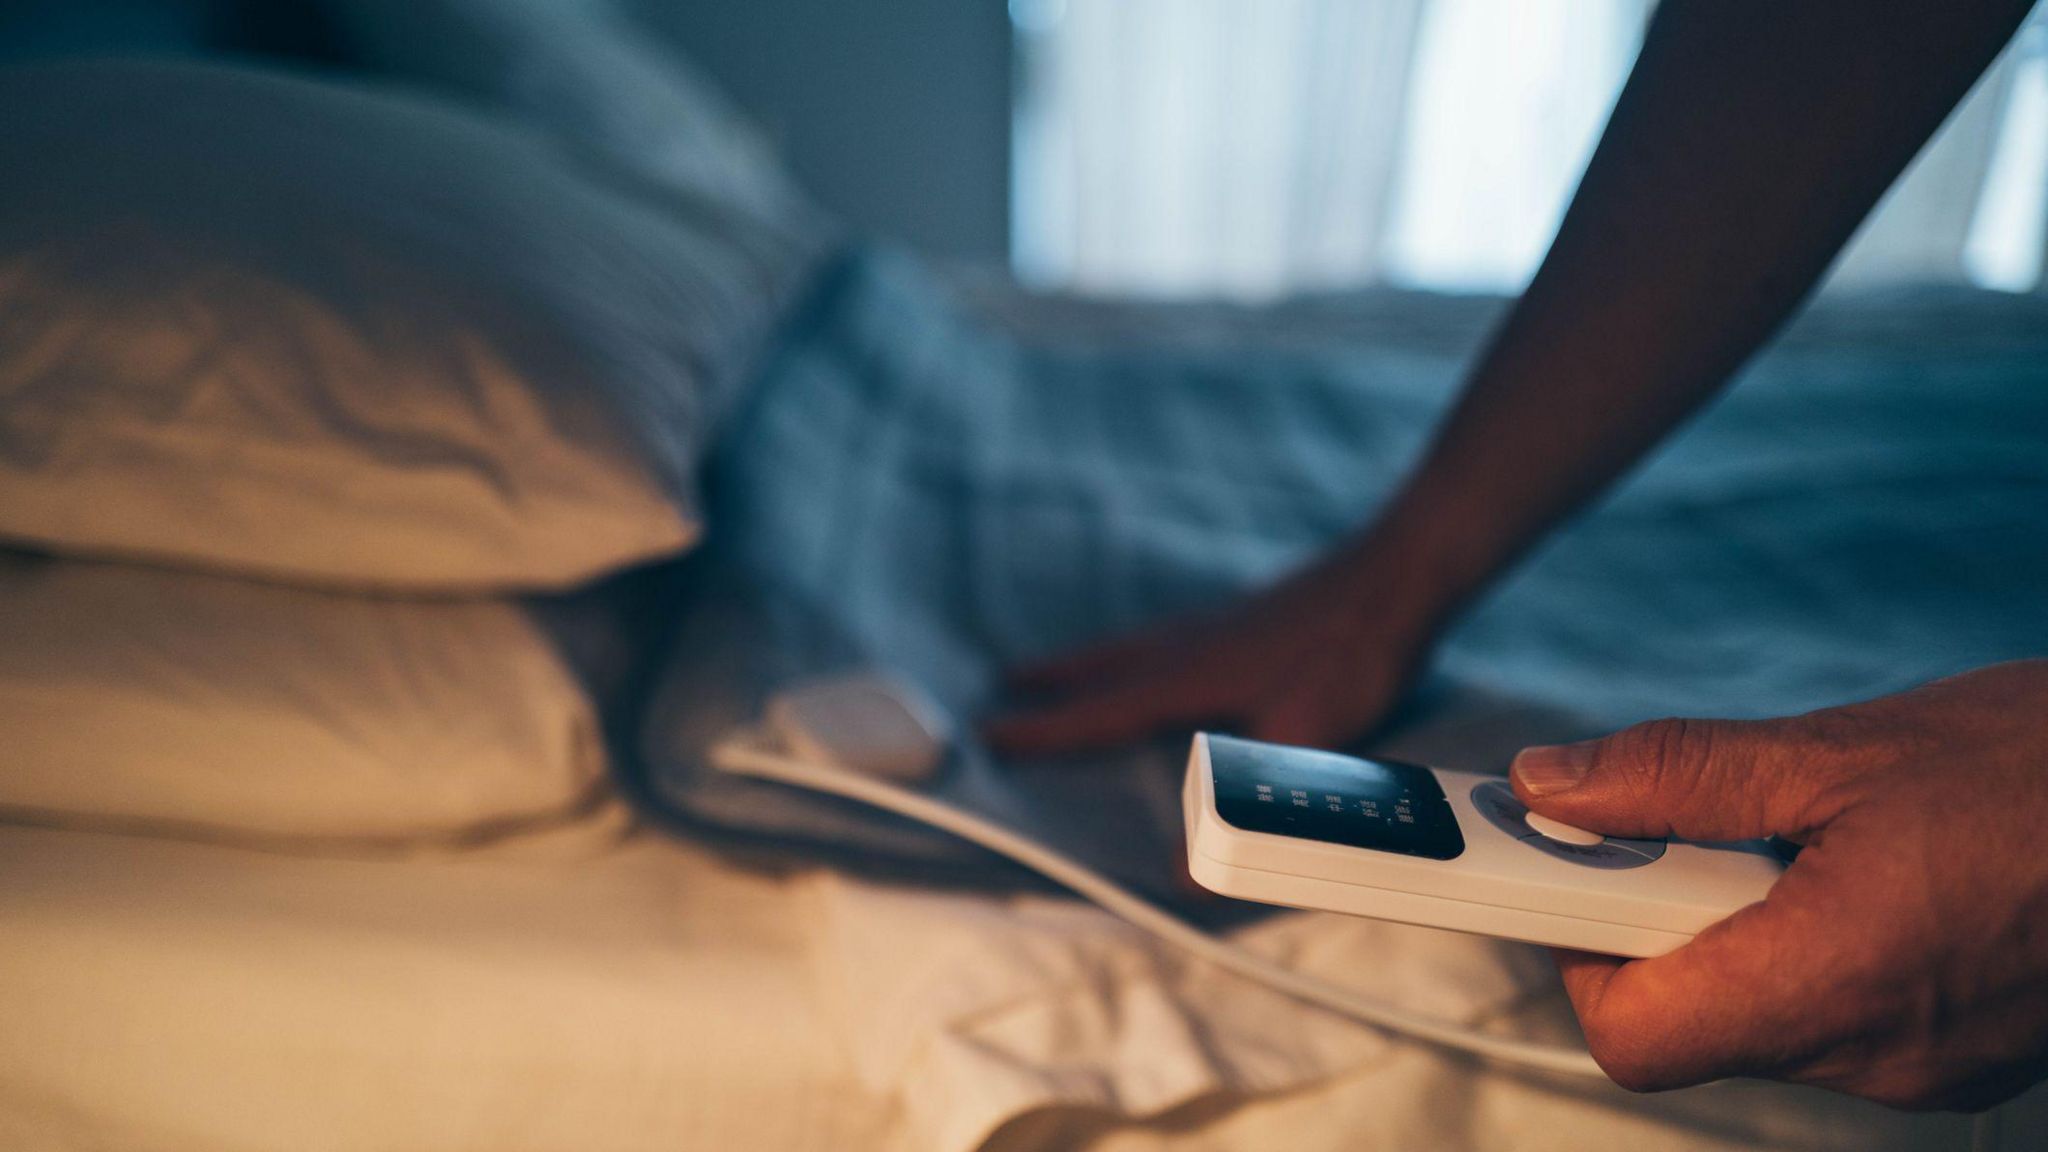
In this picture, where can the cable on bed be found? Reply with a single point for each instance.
(749, 754)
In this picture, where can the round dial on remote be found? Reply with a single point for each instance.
(1496, 801)
(1560, 831)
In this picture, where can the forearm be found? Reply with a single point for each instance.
(1751, 139)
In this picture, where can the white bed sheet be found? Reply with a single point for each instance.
(599, 988)
(1029, 1023)
(586, 991)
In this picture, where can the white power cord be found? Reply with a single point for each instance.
(746, 754)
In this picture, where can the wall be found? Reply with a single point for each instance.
(894, 113)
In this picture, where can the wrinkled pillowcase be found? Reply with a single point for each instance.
(142, 699)
(283, 327)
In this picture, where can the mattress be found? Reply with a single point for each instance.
(602, 989)
(596, 988)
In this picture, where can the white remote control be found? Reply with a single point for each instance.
(1397, 841)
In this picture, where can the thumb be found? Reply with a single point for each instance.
(1694, 779)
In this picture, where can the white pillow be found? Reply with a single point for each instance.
(146, 699)
(590, 74)
(290, 328)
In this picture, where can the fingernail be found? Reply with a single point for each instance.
(1553, 768)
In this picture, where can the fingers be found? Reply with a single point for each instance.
(1118, 712)
(1696, 779)
(1277, 668)
(1328, 700)
(1743, 999)
(1135, 688)
(1096, 662)
(1740, 999)
(1104, 695)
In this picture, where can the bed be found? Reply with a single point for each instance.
(490, 934)
(599, 983)
(599, 991)
(623, 991)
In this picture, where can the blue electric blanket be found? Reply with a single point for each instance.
(944, 489)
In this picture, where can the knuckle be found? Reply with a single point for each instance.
(1660, 752)
(1682, 745)
(1842, 744)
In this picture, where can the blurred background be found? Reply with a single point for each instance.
(1254, 147)
(1236, 148)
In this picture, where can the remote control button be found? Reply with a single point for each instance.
(1496, 801)
(1560, 831)
(1606, 855)
(1648, 849)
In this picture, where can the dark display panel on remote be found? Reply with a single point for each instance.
(1383, 805)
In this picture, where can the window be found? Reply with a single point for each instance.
(1252, 148)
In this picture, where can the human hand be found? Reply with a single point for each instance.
(1315, 660)
(1903, 957)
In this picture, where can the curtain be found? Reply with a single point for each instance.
(1252, 148)
(1193, 146)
